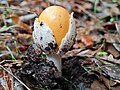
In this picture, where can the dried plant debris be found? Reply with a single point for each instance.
(92, 63)
(112, 71)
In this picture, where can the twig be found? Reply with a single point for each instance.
(15, 77)
(99, 49)
(4, 77)
(117, 28)
(7, 28)
(16, 8)
(3, 16)
(11, 79)
(3, 61)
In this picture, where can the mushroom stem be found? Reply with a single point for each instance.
(56, 59)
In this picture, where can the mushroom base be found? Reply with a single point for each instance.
(56, 59)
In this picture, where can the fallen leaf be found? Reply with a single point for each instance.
(114, 39)
(79, 45)
(86, 40)
(98, 86)
(16, 20)
(109, 25)
(112, 50)
(113, 71)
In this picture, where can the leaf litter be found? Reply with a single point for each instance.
(92, 63)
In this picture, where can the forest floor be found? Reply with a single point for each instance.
(93, 63)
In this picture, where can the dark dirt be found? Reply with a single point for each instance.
(37, 72)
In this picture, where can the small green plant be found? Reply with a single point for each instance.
(95, 6)
(101, 53)
(114, 1)
(42, 56)
(3, 28)
(12, 56)
(89, 69)
(7, 11)
(110, 88)
(16, 47)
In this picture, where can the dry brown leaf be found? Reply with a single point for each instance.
(34, 2)
(98, 86)
(113, 51)
(86, 40)
(16, 20)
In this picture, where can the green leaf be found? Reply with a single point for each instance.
(102, 53)
(3, 28)
(95, 6)
(112, 19)
(114, 1)
(12, 56)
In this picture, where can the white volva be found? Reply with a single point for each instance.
(43, 37)
(69, 38)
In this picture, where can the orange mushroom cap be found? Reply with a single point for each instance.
(57, 18)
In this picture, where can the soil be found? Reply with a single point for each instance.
(37, 72)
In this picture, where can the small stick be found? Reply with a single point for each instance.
(4, 77)
(16, 8)
(15, 77)
(117, 28)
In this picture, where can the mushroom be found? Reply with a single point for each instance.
(54, 33)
